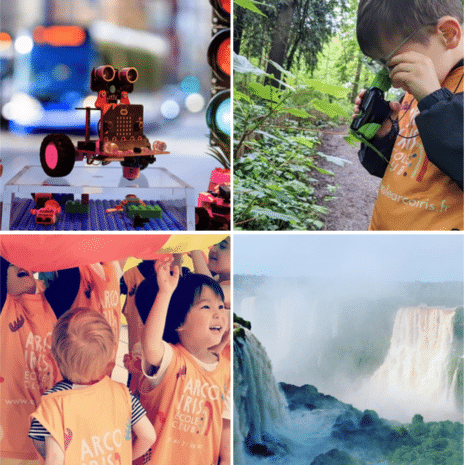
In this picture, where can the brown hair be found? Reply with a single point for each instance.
(83, 345)
(379, 20)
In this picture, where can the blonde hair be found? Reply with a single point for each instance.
(83, 345)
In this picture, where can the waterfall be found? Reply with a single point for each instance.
(420, 375)
(265, 430)
(415, 373)
(248, 305)
(258, 403)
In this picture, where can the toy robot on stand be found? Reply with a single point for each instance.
(120, 130)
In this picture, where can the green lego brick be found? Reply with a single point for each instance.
(149, 211)
(75, 206)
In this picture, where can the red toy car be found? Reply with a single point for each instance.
(121, 125)
(48, 213)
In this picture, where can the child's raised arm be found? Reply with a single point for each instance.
(200, 265)
(152, 337)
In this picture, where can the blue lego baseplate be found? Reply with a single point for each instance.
(173, 218)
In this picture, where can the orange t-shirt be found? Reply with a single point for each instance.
(414, 194)
(86, 438)
(27, 368)
(186, 409)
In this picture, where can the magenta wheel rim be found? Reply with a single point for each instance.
(51, 156)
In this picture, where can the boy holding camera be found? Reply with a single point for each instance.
(421, 44)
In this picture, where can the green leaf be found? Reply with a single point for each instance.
(335, 91)
(280, 68)
(320, 170)
(296, 185)
(298, 168)
(319, 209)
(310, 143)
(241, 96)
(277, 192)
(336, 160)
(297, 112)
(318, 224)
(242, 65)
(267, 134)
(274, 187)
(283, 71)
(272, 214)
(266, 92)
(352, 140)
(282, 83)
(250, 5)
(330, 109)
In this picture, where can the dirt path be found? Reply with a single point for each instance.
(352, 205)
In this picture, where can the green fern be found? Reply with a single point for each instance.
(221, 152)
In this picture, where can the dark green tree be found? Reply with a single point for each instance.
(291, 32)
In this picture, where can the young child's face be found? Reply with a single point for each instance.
(219, 257)
(434, 50)
(206, 321)
(19, 281)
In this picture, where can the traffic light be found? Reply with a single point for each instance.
(219, 58)
(221, 11)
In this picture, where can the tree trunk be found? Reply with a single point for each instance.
(303, 8)
(279, 41)
(356, 84)
(238, 30)
(291, 54)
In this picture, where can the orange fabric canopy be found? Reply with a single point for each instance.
(51, 252)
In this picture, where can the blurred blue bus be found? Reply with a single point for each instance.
(52, 68)
(50, 79)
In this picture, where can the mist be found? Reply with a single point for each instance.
(333, 334)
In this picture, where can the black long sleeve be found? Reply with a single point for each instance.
(371, 160)
(440, 124)
(60, 294)
(63, 290)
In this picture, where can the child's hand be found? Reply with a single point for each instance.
(415, 73)
(132, 363)
(386, 127)
(167, 278)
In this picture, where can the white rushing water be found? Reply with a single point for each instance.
(259, 405)
(416, 375)
(261, 414)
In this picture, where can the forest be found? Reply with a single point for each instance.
(297, 69)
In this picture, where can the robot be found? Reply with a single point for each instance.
(120, 130)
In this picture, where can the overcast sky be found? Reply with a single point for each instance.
(398, 257)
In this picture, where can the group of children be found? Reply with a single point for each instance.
(58, 343)
(58, 350)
